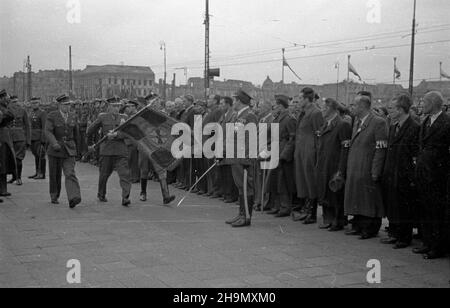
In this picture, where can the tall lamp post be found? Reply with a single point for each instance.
(163, 47)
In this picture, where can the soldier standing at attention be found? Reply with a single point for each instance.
(60, 130)
(38, 117)
(242, 168)
(113, 152)
(19, 130)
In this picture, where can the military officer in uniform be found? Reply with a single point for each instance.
(60, 130)
(133, 156)
(113, 152)
(38, 117)
(19, 130)
(7, 159)
(242, 168)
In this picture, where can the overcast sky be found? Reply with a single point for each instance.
(242, 33)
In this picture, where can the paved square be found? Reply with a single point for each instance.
(150, 245)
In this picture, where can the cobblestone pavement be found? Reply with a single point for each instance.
(150, 245)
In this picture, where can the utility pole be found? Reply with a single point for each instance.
(395, 65)
(347, 83)
(23, 79)
(29, 92)
(440, 71)
(282, 69)
(207, 51)
(70, 73)
(163, 47)
(413, 44)
(172, 98)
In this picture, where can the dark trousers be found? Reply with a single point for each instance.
(368, 225)
(38, 150)
(228, 188)
(213, 177)
(20, 148)
(107, 165)
(199, 169)
(238, 177)
(56, 167)
(133, 163)
(3, 184)
(333, 210)
(82, 147)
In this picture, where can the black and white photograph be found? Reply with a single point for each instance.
(224, 152)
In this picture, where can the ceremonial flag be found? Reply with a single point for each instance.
(151, 130)
(285, 63)
(444, 74)
(352, 70)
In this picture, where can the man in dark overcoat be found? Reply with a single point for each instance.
(7, 157)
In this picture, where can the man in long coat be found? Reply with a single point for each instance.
(306, 154)
(7, 157)
(363, 195)
(433, 167)
(281, 184)
(334, 144)
(399, 185)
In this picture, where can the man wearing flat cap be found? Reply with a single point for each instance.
(242, 168)
(20, 133)
(38, 117)
(281, 184)
(60, 130)
(7, 157)
(113, 152)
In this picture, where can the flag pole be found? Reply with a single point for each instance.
(337, 82)
(440, 71)
(395, 65)
(413, 43)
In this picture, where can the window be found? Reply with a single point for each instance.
(145, 83)
(123, 82)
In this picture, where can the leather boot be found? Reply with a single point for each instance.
(241, 212)
(243, 220)
(167, 198)
(143, 190)
(312, 213)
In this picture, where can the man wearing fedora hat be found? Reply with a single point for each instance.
(60, 130)
(242, 168)
(334, 143)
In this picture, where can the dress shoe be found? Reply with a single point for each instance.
(324, 226)
(335, 229)
(6, 194)
(366, 236)
(201, 193)
(19, 182)
(1, 200)
(55, 201)
(215, 196)
(143, 197)
(353, 233)
(168, 200)
(126, 202)
(229, 201)
(421, 250)
(74, 202)
(102, 199)
(33, 176)
(282, 214)
(273, 212)
(233, 220)
(11, 181)
(298, 216)
(388, 241)
(40, 177)
(401, 245)
(433, 254)
(310, 220)
(242, 222)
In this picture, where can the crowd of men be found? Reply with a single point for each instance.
(362, 162)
